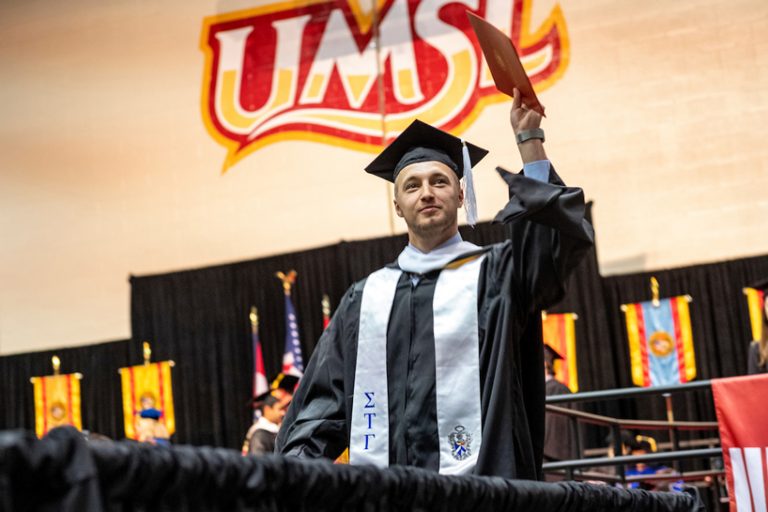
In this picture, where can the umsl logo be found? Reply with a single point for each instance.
(327, 70)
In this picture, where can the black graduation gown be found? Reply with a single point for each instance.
(548, 234)
(262, 442)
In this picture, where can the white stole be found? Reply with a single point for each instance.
(369, 438)
(457, 368)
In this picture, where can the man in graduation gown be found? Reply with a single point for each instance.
(435, 360)
(269, 408)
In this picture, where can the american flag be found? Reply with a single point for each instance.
(293, 362)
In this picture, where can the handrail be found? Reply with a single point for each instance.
(575, 469)
(587, 396)
(597, 419)
(661, 446)
(606, 477)
(633, 459)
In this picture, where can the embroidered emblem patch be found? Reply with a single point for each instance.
(460, 440)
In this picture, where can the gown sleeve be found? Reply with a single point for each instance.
(549, 234)
(315, 425)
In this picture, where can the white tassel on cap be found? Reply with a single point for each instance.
(470, 203)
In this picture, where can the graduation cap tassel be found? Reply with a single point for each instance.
(470, 203)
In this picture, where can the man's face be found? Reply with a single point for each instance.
(276, 412)
(427, 196)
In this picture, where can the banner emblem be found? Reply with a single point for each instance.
(331, 71)
(660, 344)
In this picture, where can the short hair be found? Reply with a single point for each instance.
(268, 400)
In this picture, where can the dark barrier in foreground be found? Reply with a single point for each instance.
(63, 472)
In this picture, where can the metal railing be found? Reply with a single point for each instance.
(578, 468)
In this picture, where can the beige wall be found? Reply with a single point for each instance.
(107, 169)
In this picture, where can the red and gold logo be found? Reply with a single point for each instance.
(337, 72)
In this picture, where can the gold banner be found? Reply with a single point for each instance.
(147, 386)
(57, 402)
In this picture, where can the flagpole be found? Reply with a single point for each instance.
(254, 316)
(146, 351)
(655, 291)
(672, 434)
(326, 304)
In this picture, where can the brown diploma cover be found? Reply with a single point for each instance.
(504, 63)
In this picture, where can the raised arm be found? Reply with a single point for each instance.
(525, 122)
(546, 219)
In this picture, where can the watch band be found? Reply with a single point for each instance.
(536, 133)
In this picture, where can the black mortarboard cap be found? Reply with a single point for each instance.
(285, 382)
(259, 400)
(551, 354)
(761, 285)
(408, 148)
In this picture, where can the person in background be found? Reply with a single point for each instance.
(269, 411)
(150, 430)
(643, 445)
(559, 435)
(260, 438)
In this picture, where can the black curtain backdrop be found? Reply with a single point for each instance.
(100, 387)
(719, 321)
(199, 318)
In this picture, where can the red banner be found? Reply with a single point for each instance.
(743, 416)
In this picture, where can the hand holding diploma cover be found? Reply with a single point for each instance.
(507, 70)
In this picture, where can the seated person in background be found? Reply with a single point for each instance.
(758, 349)
(641, 446)
(150, 430)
